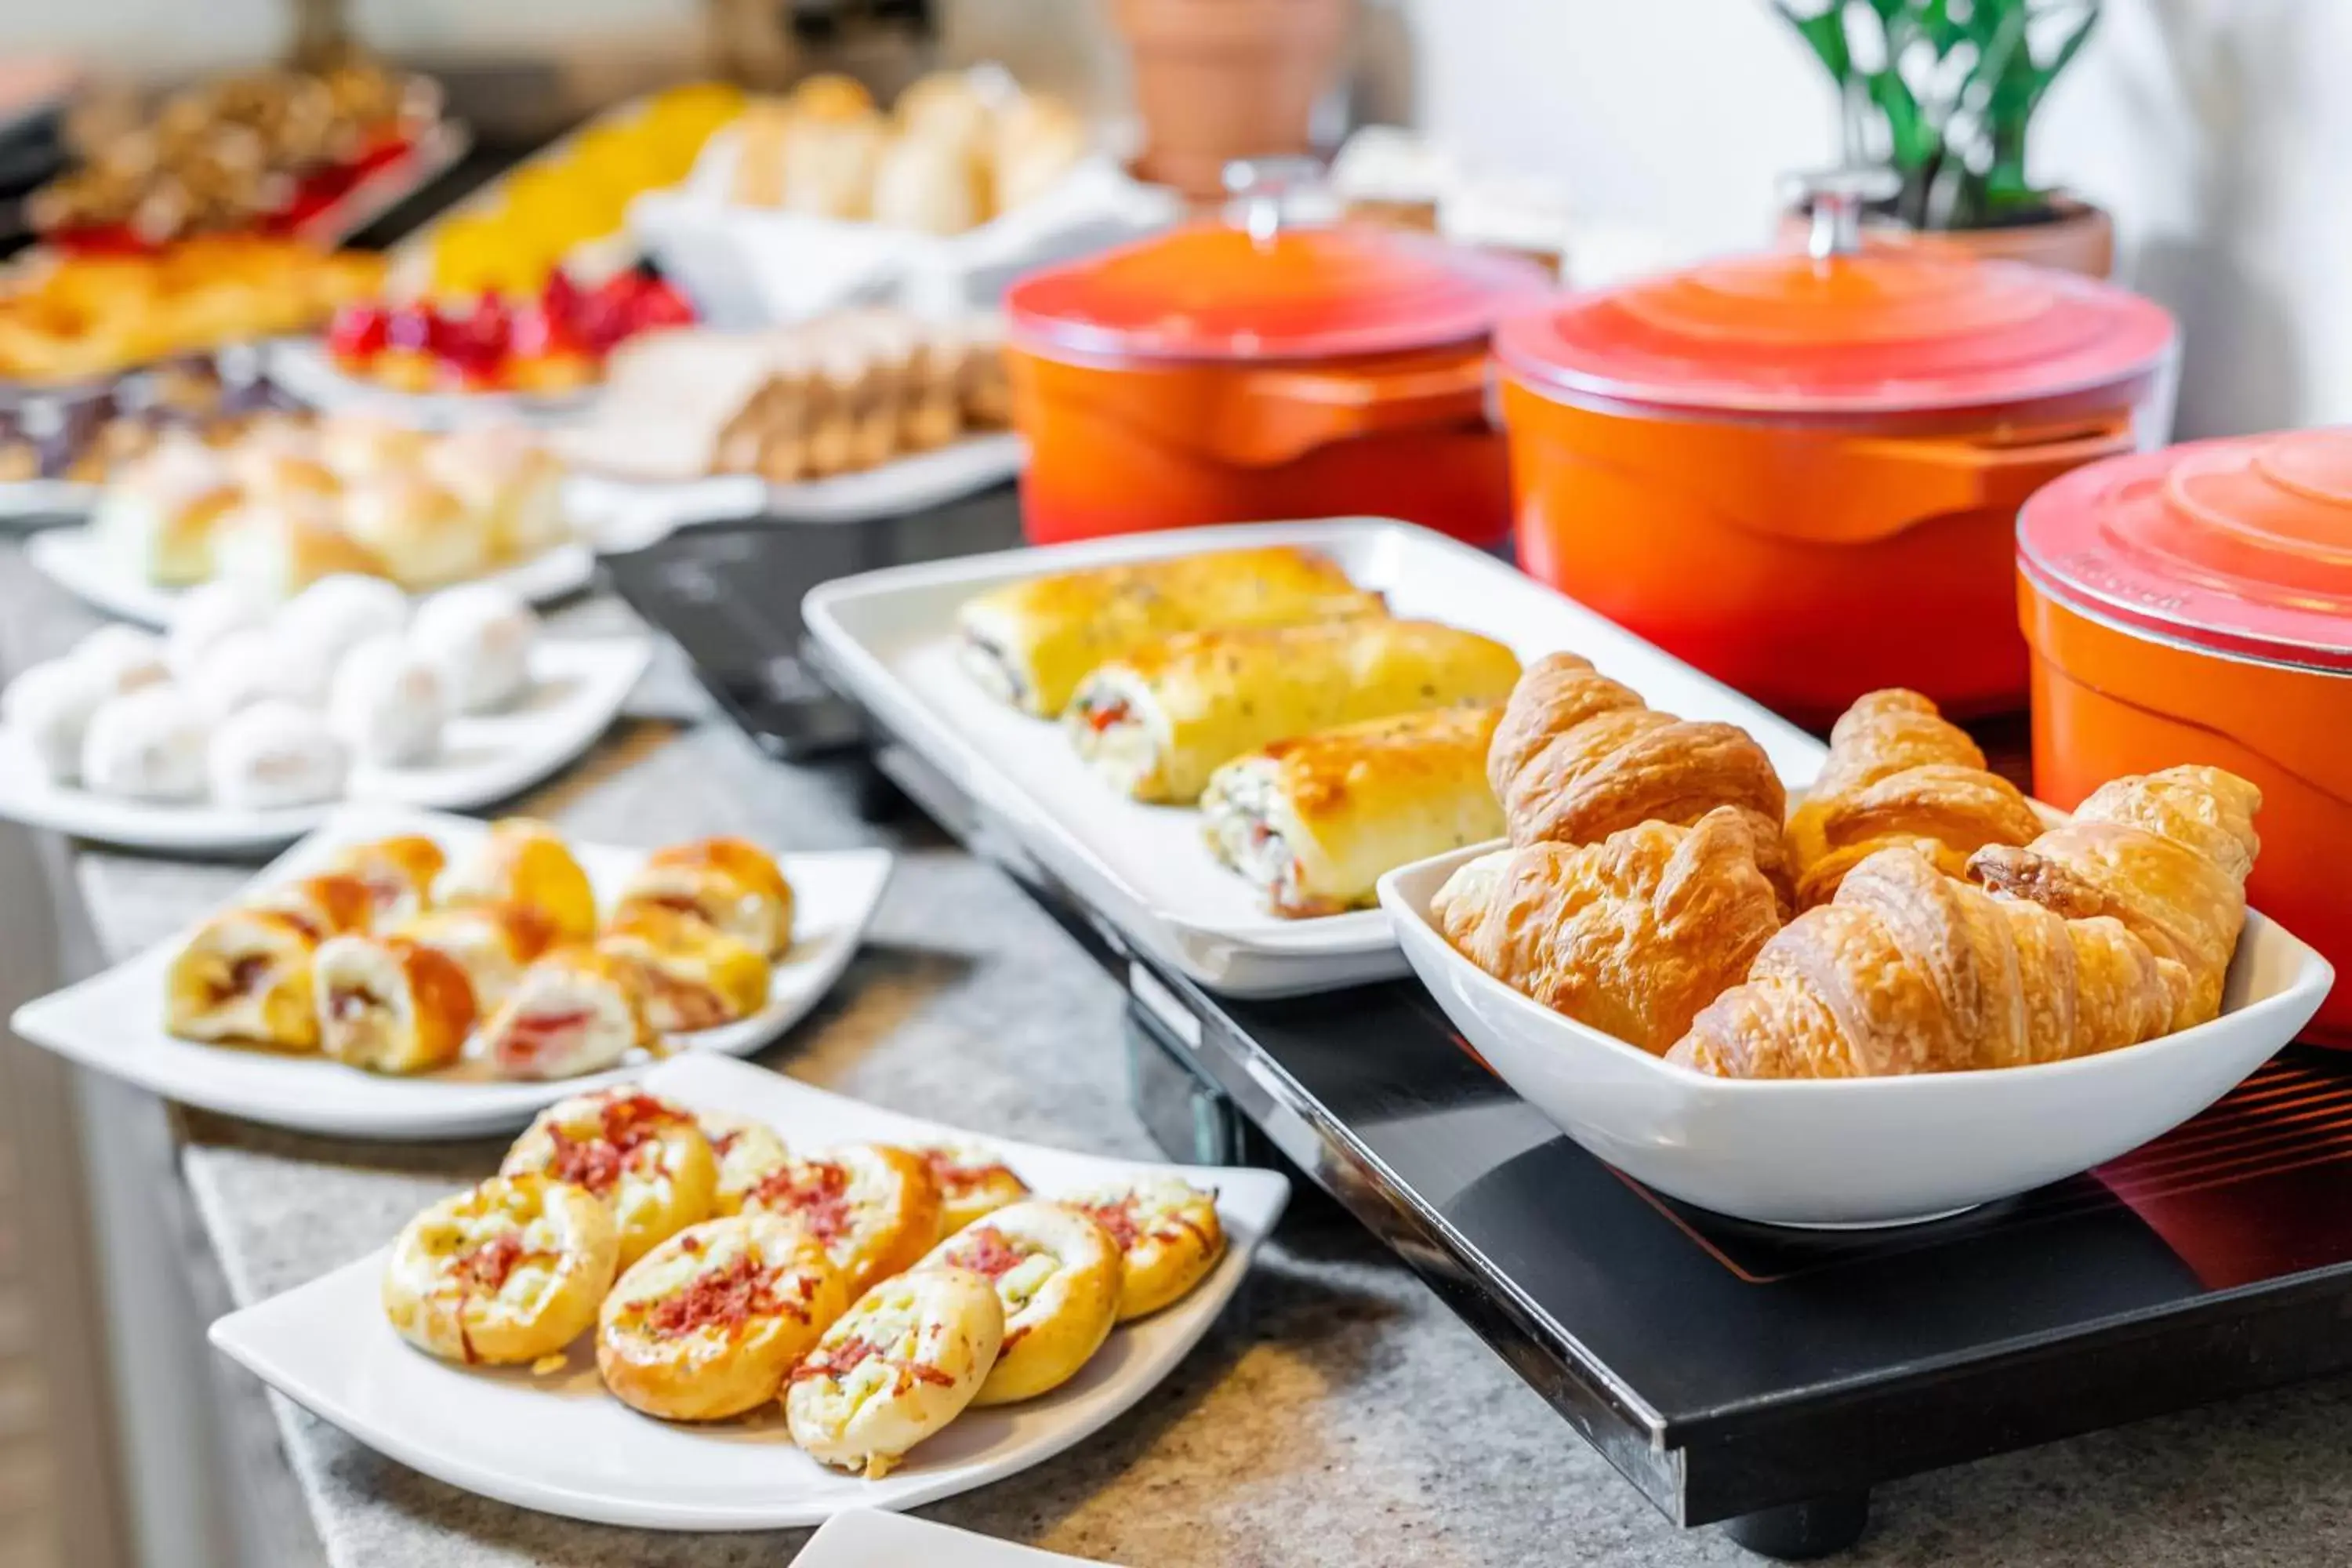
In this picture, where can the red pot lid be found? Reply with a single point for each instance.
(1208, 290)
(2243, 546)
(1892, 331)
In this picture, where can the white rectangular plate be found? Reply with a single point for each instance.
(113, 1022)
(75, 560)
(890, 634)
(859, 1538)
(561, 1445)
(577, 689)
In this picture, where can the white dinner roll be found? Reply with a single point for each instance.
(50, 706)
(389, 702)
(201, 616)
(276, 754)
(334, 615)
(247, 667)
(480, 637)
(147, 744)
(124, 657)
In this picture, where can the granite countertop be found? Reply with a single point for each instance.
(1338, 1414)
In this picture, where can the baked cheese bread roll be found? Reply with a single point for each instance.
(331, 904)
(643, 1156)
(398, 872)
(526, 862)
(504, 1274)
(493, 943)
(875, 1207)
(731, 883)
(708, 1324)
(1157, 722)
(245, 977)
(900, 1365)
(689, 974)
(1031, 643)
(747, 1153)
(1314, 822)
(1168, 1238)
(388, 1005)
(1058, 1276)
(574, 1011)
(973, 1183)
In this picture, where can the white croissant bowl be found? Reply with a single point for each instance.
(1860, 1152)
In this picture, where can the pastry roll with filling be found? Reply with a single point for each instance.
(398, 873)
(493, 943)
(1313, 823)
(688, 973)
(423, 534)
(747, 1153)
(504, 1274)
(709, 1323)
(731, 883)
(1168, 1236)
(388, 1005)
(1057, 1274)
(277, 551)
(574, 1011)
(1030, 643)
(907, 1359)
(161, 514)
(332, 903)
(525, 862)
(873, 1206)
(245, 977)
(641, 1154)
(1157, 722)
(973, 1183)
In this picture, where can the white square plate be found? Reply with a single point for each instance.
(892, 637)
(114, 1021)
(560, 1445)
(859, 1538)
(577, 688)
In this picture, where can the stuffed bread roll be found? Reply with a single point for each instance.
(391, 1006)
(493, 943)
(1312, 823)
(329, 904)
(732, 883)
(688, 973)
(1158, 722)
(526, 862)
(1031, 643)
(399, 873)
(575, 1011)
(245, 976)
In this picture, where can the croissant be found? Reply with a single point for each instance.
(1577, 756)
(1898, 774)
(2167, 854)
(1632, 935)
(1909, 971)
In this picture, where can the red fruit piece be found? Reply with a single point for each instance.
(358, 332)
(413, 328)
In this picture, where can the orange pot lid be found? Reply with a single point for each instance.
(2242, 546)
(1878, 332)
(1211, 291)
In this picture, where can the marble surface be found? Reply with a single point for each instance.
(1336, 1414)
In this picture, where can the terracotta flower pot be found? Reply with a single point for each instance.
(1220, 79)
(2080, 238)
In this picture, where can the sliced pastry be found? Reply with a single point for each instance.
(493, 943)
(732, 883)
(709, 1323)
(275, 754)
(398, 872)
(332, 903)
(334, 616)
(1058, 1274)
(424, 536)
(49, 707)
(873, 1206)
(388, 1005)
(390, 702)
(502, 1275)
(245, 977)
(574, 1011)
(480, 636)
(521, 861)
(901, 1364)
(641, 1154)
(159, 514)
(973, 1183)
(747, 1153)
(277, 551)
(689, 974)
(148, 744)
(1168, 1236)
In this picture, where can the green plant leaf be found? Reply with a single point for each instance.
(1825, 33)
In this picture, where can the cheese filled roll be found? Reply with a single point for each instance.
(1313, 822)
(1158, 721)
(388, 1005)
(900, 1365)
(1030, 643)
(873, 1205)
(245, 976)
(640, 1153)
(731, 883)
(574, 1011)
(331, 904)
(399, 874)
(973, 1183)
(1058, 1273)
(493, 943)
(1168, 1235)
(688, 975)
(747, 1153)
(526, 862)
(504, 1274)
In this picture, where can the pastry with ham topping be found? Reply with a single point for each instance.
(873, 1208)
(689, 974)
(747, 1151)
(504, 1274)
(1057, 1274)
(391, 1006)
(526, 862)
(1168, 1238)
(244, 977)
(574, 1011)
(973, 1182)
(900, 1365)
(643, 1155)
(731, 883)
(398, 872)
(708, 1324)
(493, 943)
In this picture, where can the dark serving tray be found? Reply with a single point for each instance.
(1734, 1373)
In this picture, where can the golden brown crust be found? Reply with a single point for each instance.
(399, 872)
(244, 976)
(389, 1005)
(527, 862)
(1632, 935)
(334, 903)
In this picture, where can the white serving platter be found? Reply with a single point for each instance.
(578, 687)
(113, 1021)
(44, 501)
(860, 1538)
(1854, 1152)
(890, 637)
(78, 562)
(560, 1445)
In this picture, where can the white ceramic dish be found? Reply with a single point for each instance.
(304, 370)
(577, 688)
(860, 1538)
(563, 1445)
(1862, 1152)
(113, 1021)
(41, 501)
(75, 560)
(890, 637)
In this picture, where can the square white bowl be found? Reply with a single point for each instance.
(1854, 1152)
(860, 1538)
(561, 1445)
(113, 1021)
